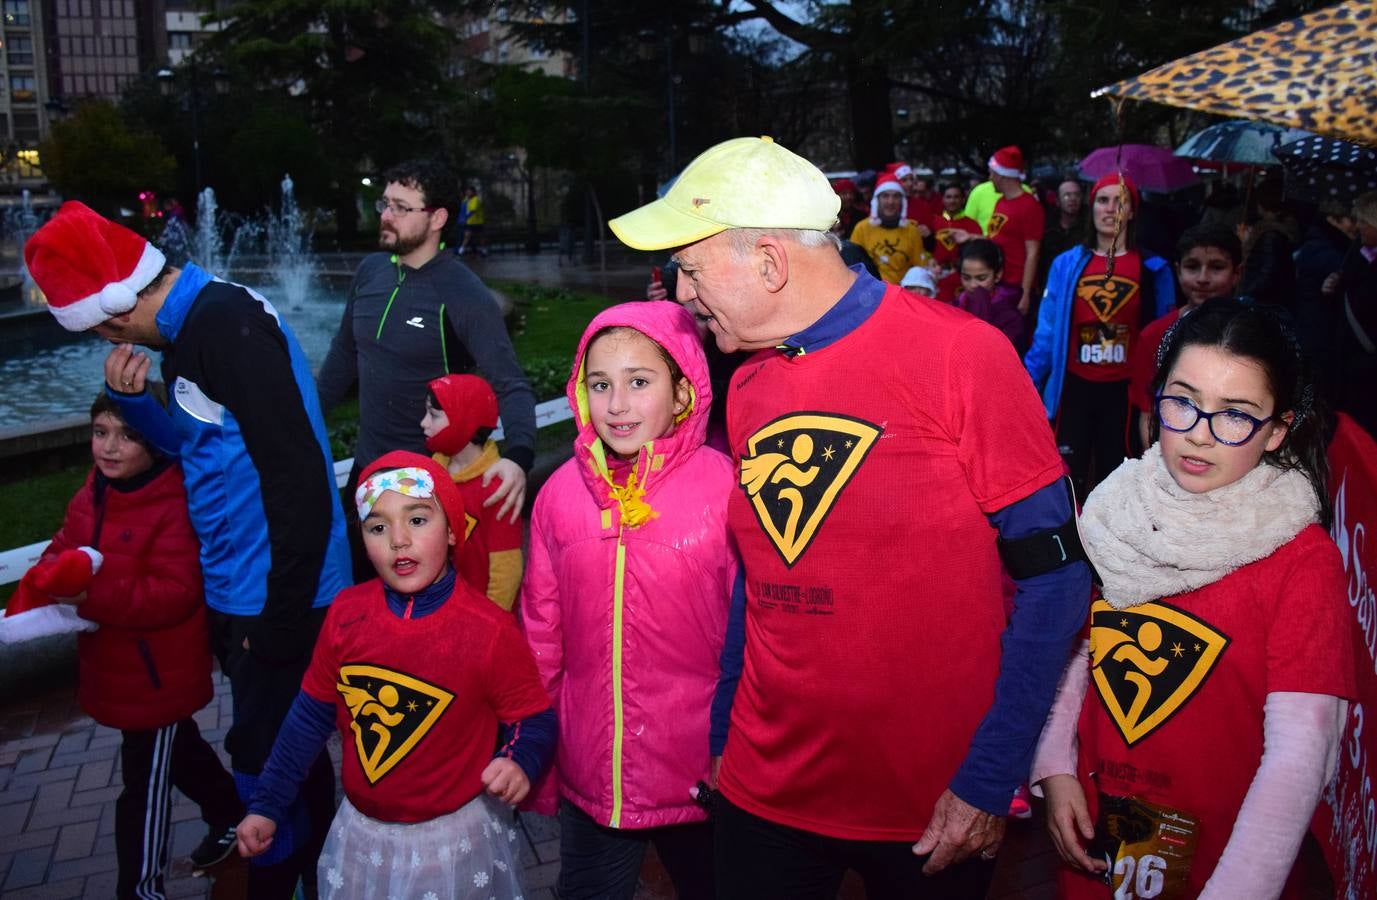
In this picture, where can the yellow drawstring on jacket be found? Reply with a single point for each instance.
(635, 511)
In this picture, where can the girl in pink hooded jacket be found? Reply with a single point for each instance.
(625, 604)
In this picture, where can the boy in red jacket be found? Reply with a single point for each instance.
(127, 559)
(461, 413)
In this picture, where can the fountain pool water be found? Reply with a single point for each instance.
(47, 381)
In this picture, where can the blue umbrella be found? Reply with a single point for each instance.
(1238, 141)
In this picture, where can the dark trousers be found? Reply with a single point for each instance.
(761, 860)
(1092, 429)
(263, 692)
(601, 863)
(153, 762)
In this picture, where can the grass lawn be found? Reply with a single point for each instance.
(546, 327)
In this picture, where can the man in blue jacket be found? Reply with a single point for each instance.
(245, 423)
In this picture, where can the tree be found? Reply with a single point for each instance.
(96, 158)
(370, 79)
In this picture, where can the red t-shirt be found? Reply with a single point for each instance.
(1187, 677)
(1104, 318)
(1143, 360)
(922, 209)
(417, 701)
(946, 251)
(1013, 222)
(874, 604)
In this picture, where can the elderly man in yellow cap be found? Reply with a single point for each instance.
(892, 451)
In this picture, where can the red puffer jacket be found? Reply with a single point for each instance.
(148, 665)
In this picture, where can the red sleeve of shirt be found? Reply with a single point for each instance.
(997, 419)
(1031, 213)
(510, 677)
(1309, 637)
(323, 673)
(1143, 364)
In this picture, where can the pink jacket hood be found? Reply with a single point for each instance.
(672, 327)
(624, 601)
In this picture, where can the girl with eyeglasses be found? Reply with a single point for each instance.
(1196, 727)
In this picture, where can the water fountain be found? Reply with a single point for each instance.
(289, 248)
(20, 222)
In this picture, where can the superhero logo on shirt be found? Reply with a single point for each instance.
(997, 223)
(1148, 661)
(793, 470)
(470, 523)
(1106, 294)
(391, 712)
(946, 239)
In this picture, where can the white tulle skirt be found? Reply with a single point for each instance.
(470, 854)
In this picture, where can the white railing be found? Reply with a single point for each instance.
(14, 563)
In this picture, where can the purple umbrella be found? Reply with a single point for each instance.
(1151, 168)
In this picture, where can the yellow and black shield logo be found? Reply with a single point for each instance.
(470, 523)
(945, 237)
(794, 469)
(1106, 296)
(996, 225)
(1148, 661)
(391, 712)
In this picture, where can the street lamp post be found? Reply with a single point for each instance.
(220, 82)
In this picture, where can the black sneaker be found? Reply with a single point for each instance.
(216, 847)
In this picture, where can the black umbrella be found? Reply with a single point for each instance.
(1321, 168)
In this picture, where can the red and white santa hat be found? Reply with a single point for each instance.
(1007, 161)
(88, 267)
(899, 169)
(883, 184)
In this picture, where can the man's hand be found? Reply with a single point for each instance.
(512, 493)
(72, 601)
(126, 371)
(955, 831)
(961, 236)
(655, 290)
(506, 781)
(255, 835)
(1025, 302)
(1331, 283)
(1068, 818)
(713, 770)
(925, 231)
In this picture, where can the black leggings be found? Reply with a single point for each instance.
(1092, 428)
(602, 863)
(762, 860)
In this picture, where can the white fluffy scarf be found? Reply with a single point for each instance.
(1149, 538)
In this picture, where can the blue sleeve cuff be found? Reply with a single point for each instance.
(299, 741)
(731, 661)
(1049, 611)
(146, 415)
(530, 743)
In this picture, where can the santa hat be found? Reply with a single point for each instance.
(411, 475)
(34, 611)
(469, 403)
(886, 183)
(844, 185)
(900, 169)
(88, 267)
(1112, 178)
(1007, 161)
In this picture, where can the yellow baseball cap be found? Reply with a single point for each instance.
(746, 182)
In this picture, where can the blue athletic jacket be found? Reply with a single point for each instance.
(1046, 358)
(244, 419)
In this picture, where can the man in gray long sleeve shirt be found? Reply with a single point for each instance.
(414, 314)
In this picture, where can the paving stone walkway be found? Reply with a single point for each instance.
(60, 775)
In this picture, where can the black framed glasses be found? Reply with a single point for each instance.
(1229, 426)
(399, 210)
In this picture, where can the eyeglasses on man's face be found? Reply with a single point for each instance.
(400, 210)
(1229, 426)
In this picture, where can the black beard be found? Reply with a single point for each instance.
(401, 246)
(889, 221)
